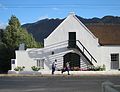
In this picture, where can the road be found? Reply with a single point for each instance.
(55, 83)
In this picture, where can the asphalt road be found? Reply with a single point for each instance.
(55, 83)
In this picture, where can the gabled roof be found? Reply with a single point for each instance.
(107, 34)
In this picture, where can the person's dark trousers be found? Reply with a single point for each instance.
(53, 70)
(68, 71)
(63, 70)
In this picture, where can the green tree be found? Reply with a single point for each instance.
(14, 35)
(1, 34)
(4, 58)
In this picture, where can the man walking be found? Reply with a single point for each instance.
(67, 68)
(54, 66)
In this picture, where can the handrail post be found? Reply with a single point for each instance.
(91, 58)
(83, 49)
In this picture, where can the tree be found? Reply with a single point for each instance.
(1, 34)
(14, 35)
(5, 64)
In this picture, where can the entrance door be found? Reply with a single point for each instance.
(73, 59)
(72, 39)
(114, 61)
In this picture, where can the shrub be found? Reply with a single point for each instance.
(96, 68)
(91, 68)
(103, 68)
(19, 68)
(35, 68)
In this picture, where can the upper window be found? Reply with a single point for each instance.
(114, 57)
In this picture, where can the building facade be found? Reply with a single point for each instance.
(70, 42)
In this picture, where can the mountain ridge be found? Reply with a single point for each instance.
(42, 28)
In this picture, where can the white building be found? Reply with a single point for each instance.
(70, 42)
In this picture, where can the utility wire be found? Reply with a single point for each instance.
(60, 6)
(70, 4)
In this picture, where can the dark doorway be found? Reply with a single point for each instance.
(73, 59)
(72, 39)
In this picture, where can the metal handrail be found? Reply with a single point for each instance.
(87, 51)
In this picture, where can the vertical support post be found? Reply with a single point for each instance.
(91, 58)
(83, 49)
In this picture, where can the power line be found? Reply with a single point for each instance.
(60, 6)
(69, 4)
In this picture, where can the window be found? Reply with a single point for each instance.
(115, 61)
(40, 63)
(114, 57)
(72, 40)
(12, 61)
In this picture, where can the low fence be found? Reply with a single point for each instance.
(110, 87)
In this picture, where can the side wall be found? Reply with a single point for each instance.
(22, 59)
(28, 58)
(106, 52)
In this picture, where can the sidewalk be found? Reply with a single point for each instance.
(58, 73)
(84, 72)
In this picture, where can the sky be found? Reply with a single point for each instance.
(29, 11)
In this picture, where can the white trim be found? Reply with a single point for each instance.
(73, 15)
(85, 27)
(56, 28)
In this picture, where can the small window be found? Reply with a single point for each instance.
(12, 61)
(114, 57)
(40, 63)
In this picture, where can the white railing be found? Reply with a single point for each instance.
(109, 87)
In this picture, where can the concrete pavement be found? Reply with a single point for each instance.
(85, 72)
(55, 83)
(58, 73)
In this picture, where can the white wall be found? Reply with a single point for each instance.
(27, 58)
(87, 39)
(106, 52)
(72, 24)
(60, 34)
(22, 59)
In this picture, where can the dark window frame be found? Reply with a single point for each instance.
(115, 57)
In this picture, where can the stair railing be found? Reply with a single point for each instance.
(83, 49)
